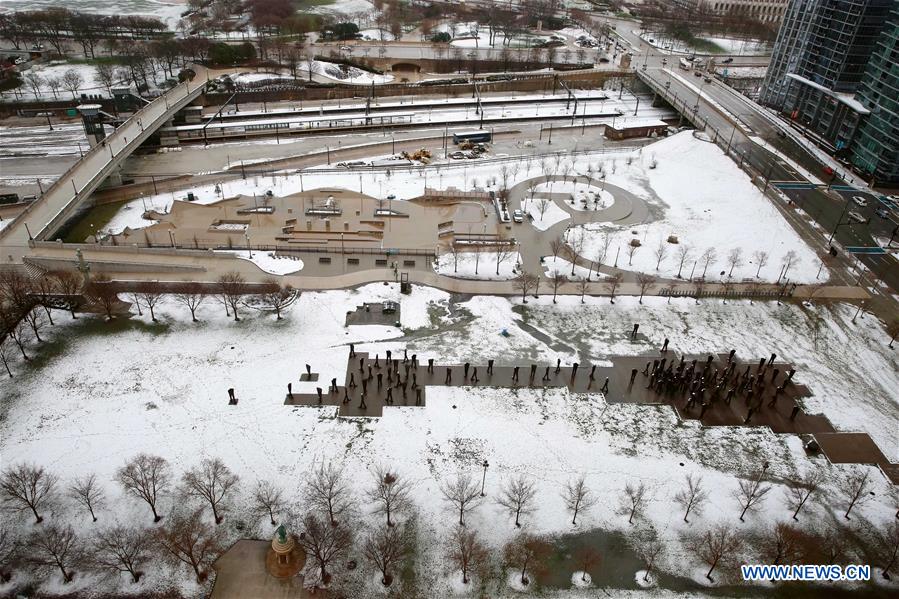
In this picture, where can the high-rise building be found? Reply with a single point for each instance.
(819, 58)
(875, 150)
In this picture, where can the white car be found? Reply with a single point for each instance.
(518, 216)
(860, 201)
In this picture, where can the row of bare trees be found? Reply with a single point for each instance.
(330, 529)
(27, 303)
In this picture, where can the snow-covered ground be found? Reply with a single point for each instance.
(586, 196)
(464, 264)
(699, 195)
(725, 45)
(269, 262)
(329, 70)
(56, 69)
(551, 215)
(111, 392)
(168, 11)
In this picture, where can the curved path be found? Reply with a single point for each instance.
(627, 209)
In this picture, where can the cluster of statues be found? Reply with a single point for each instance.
(704, 384)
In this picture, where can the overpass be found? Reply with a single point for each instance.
(62, 200)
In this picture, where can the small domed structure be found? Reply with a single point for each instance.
(284, 559)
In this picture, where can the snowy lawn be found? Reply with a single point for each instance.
(464, 264)
(585, 196)
(701, 196)
(101, 393)
(270, 262)
(550, 217)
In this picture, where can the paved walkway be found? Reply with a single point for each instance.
(717, 390)
(241, 574)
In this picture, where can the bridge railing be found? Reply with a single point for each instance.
(174, 94)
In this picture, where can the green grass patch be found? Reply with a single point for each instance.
(96, 218)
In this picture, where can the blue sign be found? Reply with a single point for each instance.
(866, 250)
(797, 185)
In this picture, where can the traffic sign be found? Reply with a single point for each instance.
(870, 250)
(791, 185)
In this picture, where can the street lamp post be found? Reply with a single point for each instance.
(484, 478)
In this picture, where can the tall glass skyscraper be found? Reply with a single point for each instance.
(875, 150)
(819, 59)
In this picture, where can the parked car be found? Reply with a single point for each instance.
(518, 216)
(860, 201)
(472, 155)
(855, 216)
(727, 60)
(882, 212)
(346, 49)
(457, 155)
(707, 79)
(697, 73)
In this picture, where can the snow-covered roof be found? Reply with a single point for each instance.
(847, 99)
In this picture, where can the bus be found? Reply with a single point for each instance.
(472, 135)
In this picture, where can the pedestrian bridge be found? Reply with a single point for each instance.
(62, 200)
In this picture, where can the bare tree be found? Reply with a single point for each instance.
(232, 288)
(782, 544)
(661, 251)
(54, 83)
(465, 550)
(857, 485)
(761, 259)
(631, 250)
(751, 494)
(106, 76)
(54, 547)
(517, 497)
(574, 248)
(34, 81)
(28, 487)
(578, 497)
(586, 557)
(71, 81)
(715, 545)
(693, 496)
(324, 542)
(684, 253)
(211, 481)
(122, 549)
(605, 240)
(386, 547)
(555, 246)
(734, 259)
(103, 292)
(268, 499)
(708, 257)
(146, 477)
(328, 491)
(462, 494)
(68, 284)
(390, 493)
(556, 280)
(189, 540)
(88, 492)
(612, 284)
(889, 548)
(191, 298)
(276, 296)
(5, 351)
(10, 553)
(583, 285)
(634, 500)
(789, 259)
(800, 489)
(524, 282)
(149, 293)
(505, 250)
(649, 547)
(529, 554)
(644, 282)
